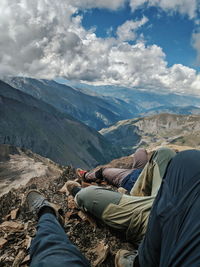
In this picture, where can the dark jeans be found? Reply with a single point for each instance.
(51, 246)
(173, 232)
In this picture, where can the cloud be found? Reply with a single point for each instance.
(185, 7)
(127, 31)
(182, 79)
(32, 33)
(46, 39)
(108, 4)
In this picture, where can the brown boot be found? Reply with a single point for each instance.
(70, 186)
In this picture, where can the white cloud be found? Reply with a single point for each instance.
(127, 31)
(135, 4)
(109, 4)
(185, 7)
(32, 33)
(41, 39)
(182, 79)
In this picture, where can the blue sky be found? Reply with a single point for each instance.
(144, 44)
(172, 32)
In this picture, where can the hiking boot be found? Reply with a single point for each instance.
(81, 173)
(36, 202)
(70, 185)
(125, 258)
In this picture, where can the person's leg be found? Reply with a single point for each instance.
(140, 158)
(113, 176)
(93, 175)
(51, 246)
(95, 199)
(129, 181)
(172, 237)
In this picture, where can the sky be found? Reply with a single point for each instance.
(145, 44)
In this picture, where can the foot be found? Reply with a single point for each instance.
(125, 258)
(37, 202)
(81, 173)
(70, 185)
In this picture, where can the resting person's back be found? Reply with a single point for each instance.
(117, 210)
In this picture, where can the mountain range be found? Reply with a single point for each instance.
(101, 106)
(49, 118)
(146, 102)
(155, 130)
(28, 122)
(92, 109)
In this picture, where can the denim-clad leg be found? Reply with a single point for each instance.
(51, 246)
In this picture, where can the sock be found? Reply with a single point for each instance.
(75, 190)
(99, 174)
(44, 210)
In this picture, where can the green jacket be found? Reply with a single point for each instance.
(148, 182)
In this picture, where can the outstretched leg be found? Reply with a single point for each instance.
(51, 246)
(95, 199)
(115, 176)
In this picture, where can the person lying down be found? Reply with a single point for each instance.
(121, 211)
(118, 177)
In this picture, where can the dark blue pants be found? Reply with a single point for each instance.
(173, 233)
(51, 246)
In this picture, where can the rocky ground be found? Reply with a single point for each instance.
(18, 226)
(96, 241)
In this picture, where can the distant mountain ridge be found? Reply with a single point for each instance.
(33, 124)
(155, 130)
(94, 110)
(102, 106)
(185, 110)
(145, 101)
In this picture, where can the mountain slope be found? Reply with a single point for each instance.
(187, 110)
(31, 123)
(92, 109)
(18, 167)
(145, 100)
(157, 129)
